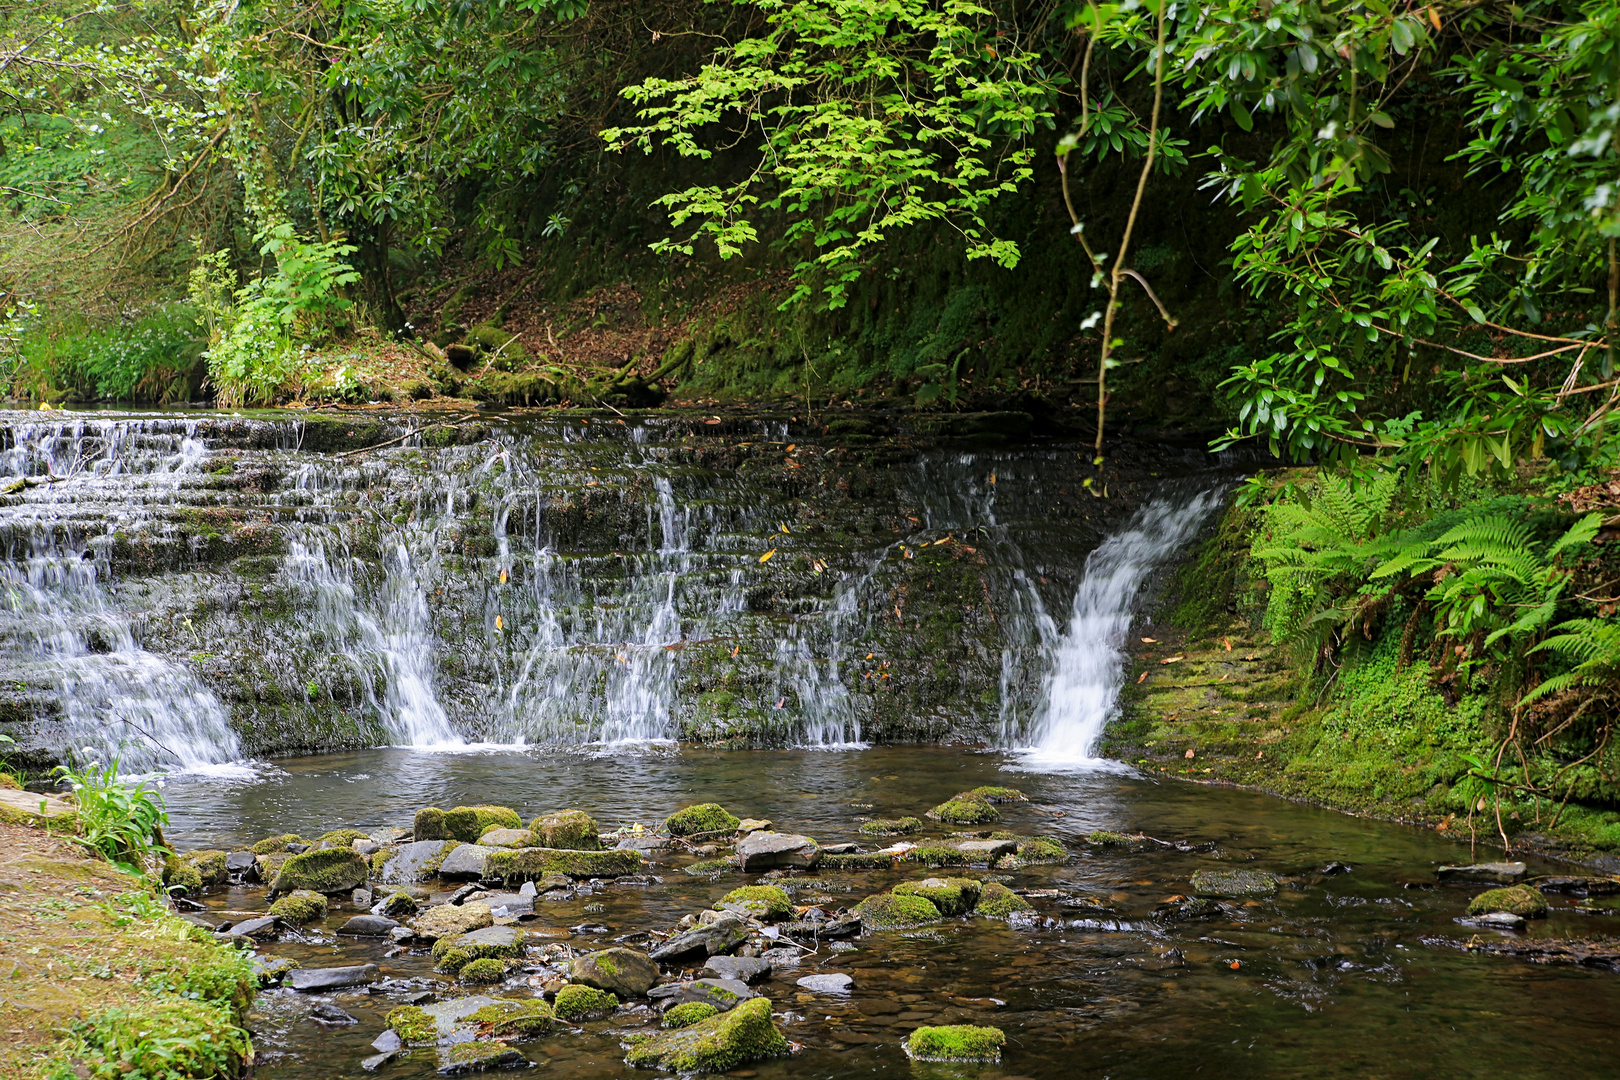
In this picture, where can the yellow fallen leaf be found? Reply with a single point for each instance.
(945, 540)
(734, 651)
(870, 655)
(1173, 660)
(992, 478)
(1150, 641)
(503, 577)
(785, 529)
(1228, 643)
(497, 622)
(767, 556)
(792, 446)
(1143, 677)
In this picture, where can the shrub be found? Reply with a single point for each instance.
(122, 824)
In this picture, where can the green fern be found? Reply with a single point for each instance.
(1593, 647)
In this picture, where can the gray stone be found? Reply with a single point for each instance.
(528, 890)
(253, 928)
(401, 933)
(836, 983)
(361, 898)
(1496, 920)
(769, 850)
(368, 926)
(987, 850)
(506, 838)
(643, 843)
(242, 863)
(404, 867)
(377, 1061)
(506, 939)
(741, 968)
(459, 1059)
(395, 905)
(840, 849)
(388, 1042)
(753, 825)
(723, 994)
(466, 861)
(1234, 884)
(784, 959)
(327, 1013)
(367, 847)
(623, 972)
(1502, 873)
(448, 1014)
(271, 969)
(389, 835)
(721, 936)
(315, 980)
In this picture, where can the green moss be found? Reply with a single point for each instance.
(891, 826)
(955, 1042)
(937, 855)
(300, 906)
(1521, 900)
(703, 818)
(531, 864)
(413, 1024)
(887, 911)
(568, 830)
(332, 870)
(1105, 838)
(768, 902)
(952, 896)
(272, 845)
(968, 808)
(999, 794)
(430, 824)
(450, 960)
(1042, 849)
(341, 837)
(687, 1014)
(867, 860)
(475, 949)
(711, 867)
(182, 878)
(430, 867)
(156, 1040)
(575, 1002)
(487, 970)
(516, 1019)
(999, 902)
(717, 1044)
(485, 818)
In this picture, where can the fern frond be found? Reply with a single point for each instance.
(1581, 533)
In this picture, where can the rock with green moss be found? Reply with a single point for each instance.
(1042, 850)
(1521, 900)
(517, 865)
(449, 960)
(489, 817)
(300, 906)
(703, 818)
(996, 901)
(622, 972)
(342, 837)
(712, 868)
(182, 878)
(718, 1044)
(464, 823)
(410, 863)
(956, 1042)
(483, 972)
(506, 1019)
(413, 1025)
(332, 870)
(567, 830)
(938, 855)
(967, 808)
(687, 1014)
(210, 868)
(452, 920)
(1108, 838)
(1234, 884)
(459, 1059)
(576, 1002)
(886, 911)
(484, 943)
(952, 896)
(864, 860)
(904, 826)
(767, 902)
(396, 905)
(272, 845)
(999, 794)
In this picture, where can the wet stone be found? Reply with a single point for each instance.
(406, 865)
(1234, 884)
(447, 1015)
(986, 850)
(471, 1057)
(1501, 873)
(741, 968)
(723, 994)
(241, 863)
(368, 926)
(316, 980)
(466, 861)
(835, 983)
(770, 850)
(253, 928)
(720, 936)
(1495, 920)
(327, 1013)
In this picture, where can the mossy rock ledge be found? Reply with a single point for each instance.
(767, 902)
(1520, 900)
(518, 865)
(1235, 884)
(886, 911)
(744, 1034)
(996, 901)
(968, 808)
(579, 1002)
(566, 830)
(952, 896)
(329, 871)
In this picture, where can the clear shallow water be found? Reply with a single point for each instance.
(1336, 976)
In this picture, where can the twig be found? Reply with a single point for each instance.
(402, 438)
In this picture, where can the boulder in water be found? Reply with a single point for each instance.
(623, 972)
(1520, 900)
(1234, 884)
(952, 896)
(767, 902)
(516, 865)
(720, 936)
(718, 1044)
(955, 1042)
(466, 861)
(459, 1059)
(771, 850)
(409, 863)
(996, 901)
(723, 994)
(701, 819)
(318, 980)
(450, 920)
(334, 870)
(886, 911)
(967, 808)
(904, 826)
(300, 906)
(566, 830)
(502, 837)
(1502, 873)
(368, 926)
(745, 969)
(577, 1002)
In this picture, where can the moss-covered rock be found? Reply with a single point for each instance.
(768, 902)
(516, 1019)
(968, 808)
(687, 1014)
(430, 824)
(452, 920)
(904, 826)
(531, 864)
(1521, 900)
(955, 1042)
(460, 1059)
(999, 795)
(450, 961)
(342, 837)
(487, 818)
(484, 971)
(272, 845)
(300, 906)
(210, 868)
(952, 896)
(703, 818)
(575, 1002)
(1109, 838)
(625, 973)
(1234, 884)
(1042, 850)
(397, 905)
(488, 942)
(938, 855)
(712, 868)
(996, 901)
(886, 911)
(413, 1025)
(717, 1044)
(182, 878)
(333, 870)
(566, 830)
(861, 860)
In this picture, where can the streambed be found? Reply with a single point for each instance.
(1339, 974)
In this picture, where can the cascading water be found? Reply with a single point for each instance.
(1082, 687)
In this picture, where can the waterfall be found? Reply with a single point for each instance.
(1082, 687)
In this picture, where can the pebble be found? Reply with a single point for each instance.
(835, 983)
